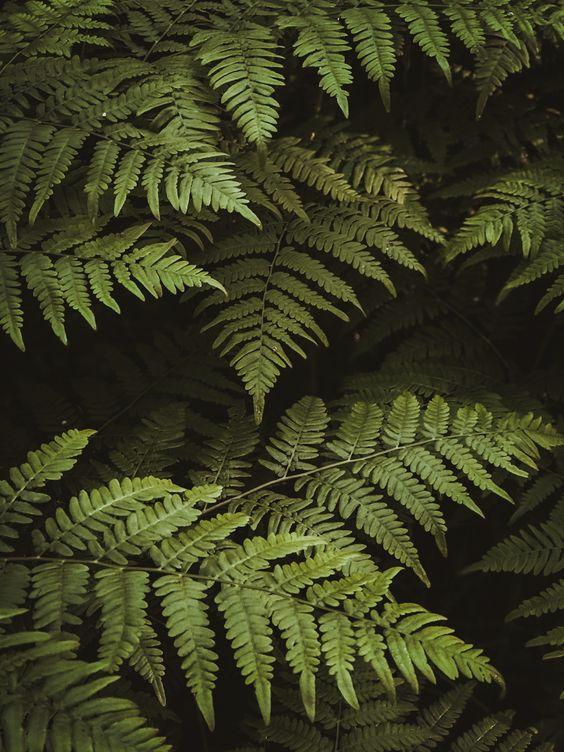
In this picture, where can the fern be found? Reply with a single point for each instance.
(269, 315)
(58, 700)
(536, 549)
(370, 28)
(111, 527)
(424, 26)
(88, 271)
(321, 43)
(244, 61)
(383, 179)
(379, 724)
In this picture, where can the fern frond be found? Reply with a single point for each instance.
(370, 28)
(20, 494)
(11, 314)
(92, 512)
(245, 67)
(147, 660)
(123, 602)
(185, 549)
(42, 279)
(57, 158)
(248, 629)
(20, 155)
(337, 642)
(223, 454)
(56, 589)
(424, 26)
(546, 602)
(185, 610)
(466, 25)
(496, 61)
(537, 550)
(55, 700)
(71, 270)
(322, 44)
(299, 432)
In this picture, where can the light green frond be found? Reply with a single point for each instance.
(424, 26)
(321, 44)
(240, 562)
(58, 589)
(248, 629)
(245, 68)
(298, 435)
(185, 609)
(185, 549)
(370, 28)
(93, 512)
(298, 628)
(19, 495)
(338, 645)
(122, 599)
(147, 660)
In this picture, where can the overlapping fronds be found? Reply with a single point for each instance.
(52, 700)
(385, 725)
(537, 549)
(110, 550)
(75, 265)
(519, 214)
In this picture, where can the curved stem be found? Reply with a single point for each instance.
(341, 463)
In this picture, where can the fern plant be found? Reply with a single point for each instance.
(384, 725)
(89, 557)
(535, 549)
(356, 207)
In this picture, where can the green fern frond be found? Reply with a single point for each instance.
(424, 26)
(548, 601)
(11, 314)
(466, 25)
(223, 455)
(20, 494)
(147, 660)
(322, 44)
(70, 273)
(370, 28)
(185, 610)
(57, 589)
(20, 155)
(299, 432)
(536, 550)
(55, 700)
(122, 598)
(496, 61)
(90, 512)
(248, 629)
(244, 66)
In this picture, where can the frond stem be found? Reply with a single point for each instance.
(341, 463)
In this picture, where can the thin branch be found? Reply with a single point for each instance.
(341, 463)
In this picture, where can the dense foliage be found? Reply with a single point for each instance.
(279, 293)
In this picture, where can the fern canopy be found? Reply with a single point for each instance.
(289, 474)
